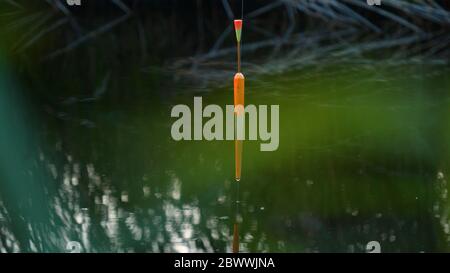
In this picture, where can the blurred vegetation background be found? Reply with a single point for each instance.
(192, 38)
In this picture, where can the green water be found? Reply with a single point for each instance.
(363, 156)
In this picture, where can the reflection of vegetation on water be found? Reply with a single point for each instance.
(362, 157)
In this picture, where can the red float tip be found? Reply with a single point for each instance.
(238, 24)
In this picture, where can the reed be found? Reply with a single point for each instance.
(289, 34)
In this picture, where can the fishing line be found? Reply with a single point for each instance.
(239, 40)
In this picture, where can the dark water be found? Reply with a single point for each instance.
(363, 156)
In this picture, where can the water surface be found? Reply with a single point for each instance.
(363, 156)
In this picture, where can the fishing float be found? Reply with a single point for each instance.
(239, 87)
